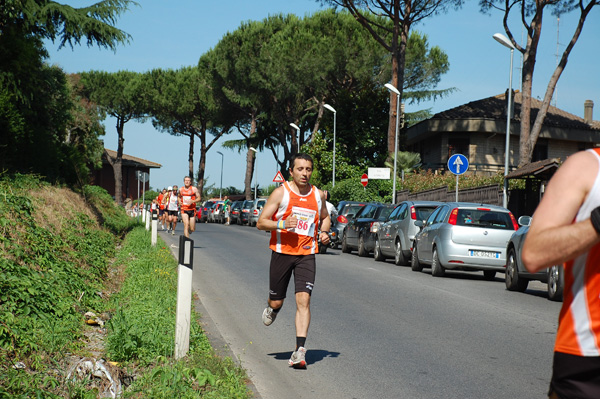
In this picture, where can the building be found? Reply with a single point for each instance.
(131, 165)
(478, 131)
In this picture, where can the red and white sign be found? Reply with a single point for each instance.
(278, 178)
(364, 180)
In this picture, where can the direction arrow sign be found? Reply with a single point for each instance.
(364, 180)
(278, 178)
(458, 164)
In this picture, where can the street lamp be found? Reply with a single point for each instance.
(394, 90)
(298, 129)
(503, 40)
(222, 157)
(329, 107)
(255, 170)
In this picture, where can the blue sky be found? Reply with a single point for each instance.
(175, 34)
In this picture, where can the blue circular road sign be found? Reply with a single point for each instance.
(458, 164)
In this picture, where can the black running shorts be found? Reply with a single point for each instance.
(172, 213)
(575, 377)
(189, 213)
(282, 266)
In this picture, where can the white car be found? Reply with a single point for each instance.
(464, 236)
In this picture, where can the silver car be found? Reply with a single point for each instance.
(464, 236)
(395, 237)
(517, 278)
(256, 210)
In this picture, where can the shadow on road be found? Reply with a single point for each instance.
(312, 355)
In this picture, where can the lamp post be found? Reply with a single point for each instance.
(503, 40)
(329, 107)
(298, 129)
(222, 157)
(395, 91)
(255, 170)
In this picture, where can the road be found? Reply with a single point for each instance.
(378, 330)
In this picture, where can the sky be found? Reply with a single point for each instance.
(174, 34)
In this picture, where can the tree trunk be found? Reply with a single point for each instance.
(202, 164)
(118, 164)
(250, 161)
(191, 157)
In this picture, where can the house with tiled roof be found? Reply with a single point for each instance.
(478, 131)
(131, 165)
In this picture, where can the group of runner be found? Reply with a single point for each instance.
(173, 199)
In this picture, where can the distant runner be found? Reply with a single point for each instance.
(172, 209)
(293, 214)
(161, 207)
(188, 197)
(226, 209)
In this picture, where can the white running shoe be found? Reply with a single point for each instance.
(298, 359)
(268, 316)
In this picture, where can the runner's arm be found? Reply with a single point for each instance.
(553, 237)
(265, 220)
(325, 218)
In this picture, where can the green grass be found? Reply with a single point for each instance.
(63, 255)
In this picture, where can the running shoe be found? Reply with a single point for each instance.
(298, 359)
(172, 232)
(268, 316)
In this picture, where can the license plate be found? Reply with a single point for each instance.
(485, 254)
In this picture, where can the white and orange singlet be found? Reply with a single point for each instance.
(188, 196)
(302, 239)
(579, 320)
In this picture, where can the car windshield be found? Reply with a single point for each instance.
(484, 218)
(384, 213)
(423, 213)
(352, 209)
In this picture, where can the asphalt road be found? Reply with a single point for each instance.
(378, 330)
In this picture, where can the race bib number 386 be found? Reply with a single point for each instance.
(306, 218)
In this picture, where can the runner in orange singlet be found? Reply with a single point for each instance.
(292, 214)
(161, 207)
(188, 197)
(566, 229)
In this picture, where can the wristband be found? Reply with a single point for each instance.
(595, 219)
(281, 224)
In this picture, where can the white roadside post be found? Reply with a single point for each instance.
(147, 212)
(143, 213)
(184, 297)
(154, 227)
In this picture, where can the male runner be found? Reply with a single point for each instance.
(566, 228)
(161, 207)
(292, 214)
(188, 197)
(172, 209)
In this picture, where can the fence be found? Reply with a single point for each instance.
(483, 195)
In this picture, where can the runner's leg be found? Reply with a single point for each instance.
(186, 223)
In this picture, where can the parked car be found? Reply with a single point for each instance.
(216, 213)
(362, 229)
(236, 208)
(346, 211)
(256, 210)
(517, 278)
(245, 212)
(203, 212)
(464, 236)
(395, 237)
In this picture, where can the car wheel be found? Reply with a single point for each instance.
(555, 283)
(345, 248)
(415, 265)
(399, 255)
(489, 274)
(437, 270)
(322, 248)
(511, 277)
(377, 252)
(362, 250)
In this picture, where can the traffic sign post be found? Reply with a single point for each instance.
(278, 178)
(458, 164)
(364, 180)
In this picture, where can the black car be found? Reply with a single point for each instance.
(345, 211)
(236, 209)
(361, 231)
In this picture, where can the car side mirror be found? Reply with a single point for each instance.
(419, 223)
(524, 221)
